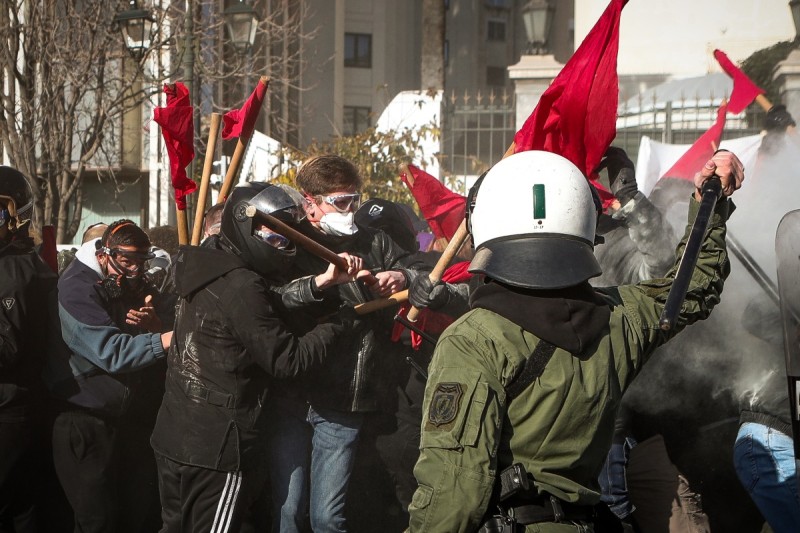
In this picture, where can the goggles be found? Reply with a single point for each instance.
(131, 261)
(342, 202)
(276, 240)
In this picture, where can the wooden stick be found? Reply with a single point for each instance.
(435, 276)
(302, 240)
(382, 303)
(183, 226)
(236, 160)
(211, 147)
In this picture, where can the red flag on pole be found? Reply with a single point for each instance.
(576, 115)
(744, 90)
(701, 151)
(48, 250)
(441, 207)
(178, 130)
(242, 122)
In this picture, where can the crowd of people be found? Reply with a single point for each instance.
(238, 386)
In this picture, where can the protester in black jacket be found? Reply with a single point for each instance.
(27, 301)
(354, 383)
(230, 342)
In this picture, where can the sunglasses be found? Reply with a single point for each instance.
(342, 202)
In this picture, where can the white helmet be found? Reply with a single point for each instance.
(533, 223)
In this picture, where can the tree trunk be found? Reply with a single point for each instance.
(432, 65)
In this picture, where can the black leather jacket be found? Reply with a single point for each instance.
(229, 341)
(362, 375)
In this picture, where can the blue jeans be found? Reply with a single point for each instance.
(322, 445)
(613, 481)
(764, 461)
(333, 453)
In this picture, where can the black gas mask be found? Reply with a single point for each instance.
(129, 278)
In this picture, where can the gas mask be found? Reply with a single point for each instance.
(129, 278)
(338, 224)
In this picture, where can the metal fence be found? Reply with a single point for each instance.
(478, 128)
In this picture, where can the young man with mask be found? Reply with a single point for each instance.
(349, 385)
(110, 384)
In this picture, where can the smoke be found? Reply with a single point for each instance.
(729, 358)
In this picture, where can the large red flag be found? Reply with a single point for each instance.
(242, 122)
(701, 151)
(744, 90)
(441, 207)
(178, 130)
(576, 115)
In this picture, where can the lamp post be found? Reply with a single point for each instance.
(794, 5)
(242, 22)
(537, 15)
(137, 28)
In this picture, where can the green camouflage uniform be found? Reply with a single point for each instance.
(559, 427)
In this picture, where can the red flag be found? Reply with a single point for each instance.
(441, 207)
(576, 115)
(241, 122)
(178, 130)
(701, 151)
(744, 90)
(48, 250)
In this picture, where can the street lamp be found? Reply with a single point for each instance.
(137, 28)
(538, 16)
(794, 5)
(242, 22)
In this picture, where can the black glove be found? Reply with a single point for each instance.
(621, 174)
(424, 294)
(778, 119)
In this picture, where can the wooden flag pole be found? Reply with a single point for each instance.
(211, 147)
(236, 160)
(183, 225)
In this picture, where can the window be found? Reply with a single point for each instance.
(358, 50)
(501, 4)
(356, 119)
(495, 76)
(496, 30)
(446, 53)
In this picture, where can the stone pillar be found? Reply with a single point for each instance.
(532, 75)
(787, 75)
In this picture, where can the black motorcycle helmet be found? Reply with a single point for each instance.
(237, 228)
(16, 191)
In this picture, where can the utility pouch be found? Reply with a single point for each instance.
(513, 480)
(499, 524)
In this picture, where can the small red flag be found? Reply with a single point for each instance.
(701, 151)
(441, 207)
(48, 250)
(241, 122)
(178, 130)
(576, 116)
(744, 90)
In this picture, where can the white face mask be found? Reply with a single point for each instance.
(338, 224)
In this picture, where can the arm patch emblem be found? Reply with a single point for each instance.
(445, 403)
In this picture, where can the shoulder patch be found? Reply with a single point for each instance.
(8, 303)
(445, 403)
